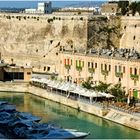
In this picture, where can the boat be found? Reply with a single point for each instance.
(25, 125)
(3, 102)
(46, 131)
(27, 116)
(7, 108)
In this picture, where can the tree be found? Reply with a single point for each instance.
(133, 7)
(123, 5)
(118, 92)
(138, 7)
(87, 84)
(103, 87)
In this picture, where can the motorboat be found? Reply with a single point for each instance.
(25, 125)
(27, 116)
(7, 108)
(57, 134)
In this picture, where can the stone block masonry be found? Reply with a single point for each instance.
(35, 40)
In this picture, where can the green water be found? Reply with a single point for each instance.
(69, 118)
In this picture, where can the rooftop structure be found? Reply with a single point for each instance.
(43, 8)
(10, 72)
(110, 8)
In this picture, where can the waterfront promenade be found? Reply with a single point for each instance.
(97, 106)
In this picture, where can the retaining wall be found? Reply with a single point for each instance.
(117, 116)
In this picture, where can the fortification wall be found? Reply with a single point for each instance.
(36, 39)
(130, 33)
(104, 32)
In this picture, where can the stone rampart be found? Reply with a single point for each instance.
(35, 40)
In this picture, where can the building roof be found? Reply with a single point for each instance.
(3, 65)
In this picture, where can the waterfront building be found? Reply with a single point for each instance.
(14, 73)
(77, 67)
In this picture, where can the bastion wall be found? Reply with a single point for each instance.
(35, 40)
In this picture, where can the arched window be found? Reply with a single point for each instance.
(92, 64)
(101, 66)
(130, 70)
(109, 67)
(105, 66)
(119, 68)
(115, 68)
(135, 71)
(124, 69)
(95, 65)
(88, 64)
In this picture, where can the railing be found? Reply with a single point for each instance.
(91, 70)
(67, 66)
(78, 68)
(104, 72)
(119, 74)
(134, 77)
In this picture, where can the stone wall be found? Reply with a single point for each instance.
(104, 32)
(130, 33)
(35, 40)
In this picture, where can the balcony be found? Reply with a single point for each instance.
(104, 72)
(79, 68)
(134, 77)
(119, 74)
(91, 70)
(67, 67)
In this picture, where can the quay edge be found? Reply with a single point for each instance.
(113, 115)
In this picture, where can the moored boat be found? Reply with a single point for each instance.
(25, 125)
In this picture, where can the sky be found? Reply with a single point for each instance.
(33, 4)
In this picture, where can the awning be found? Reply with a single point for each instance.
(107, 95)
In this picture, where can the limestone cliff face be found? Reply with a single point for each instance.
(103, 32)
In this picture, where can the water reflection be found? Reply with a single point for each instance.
(68, 117)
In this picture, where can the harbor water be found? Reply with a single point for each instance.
(67, 117)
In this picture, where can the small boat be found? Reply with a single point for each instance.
(57, 134)
(3, 103)
(27, 116)
(7, 108)
(5, 118)
(46, 131)
(25, 125)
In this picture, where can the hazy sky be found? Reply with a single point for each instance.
(33, 4)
